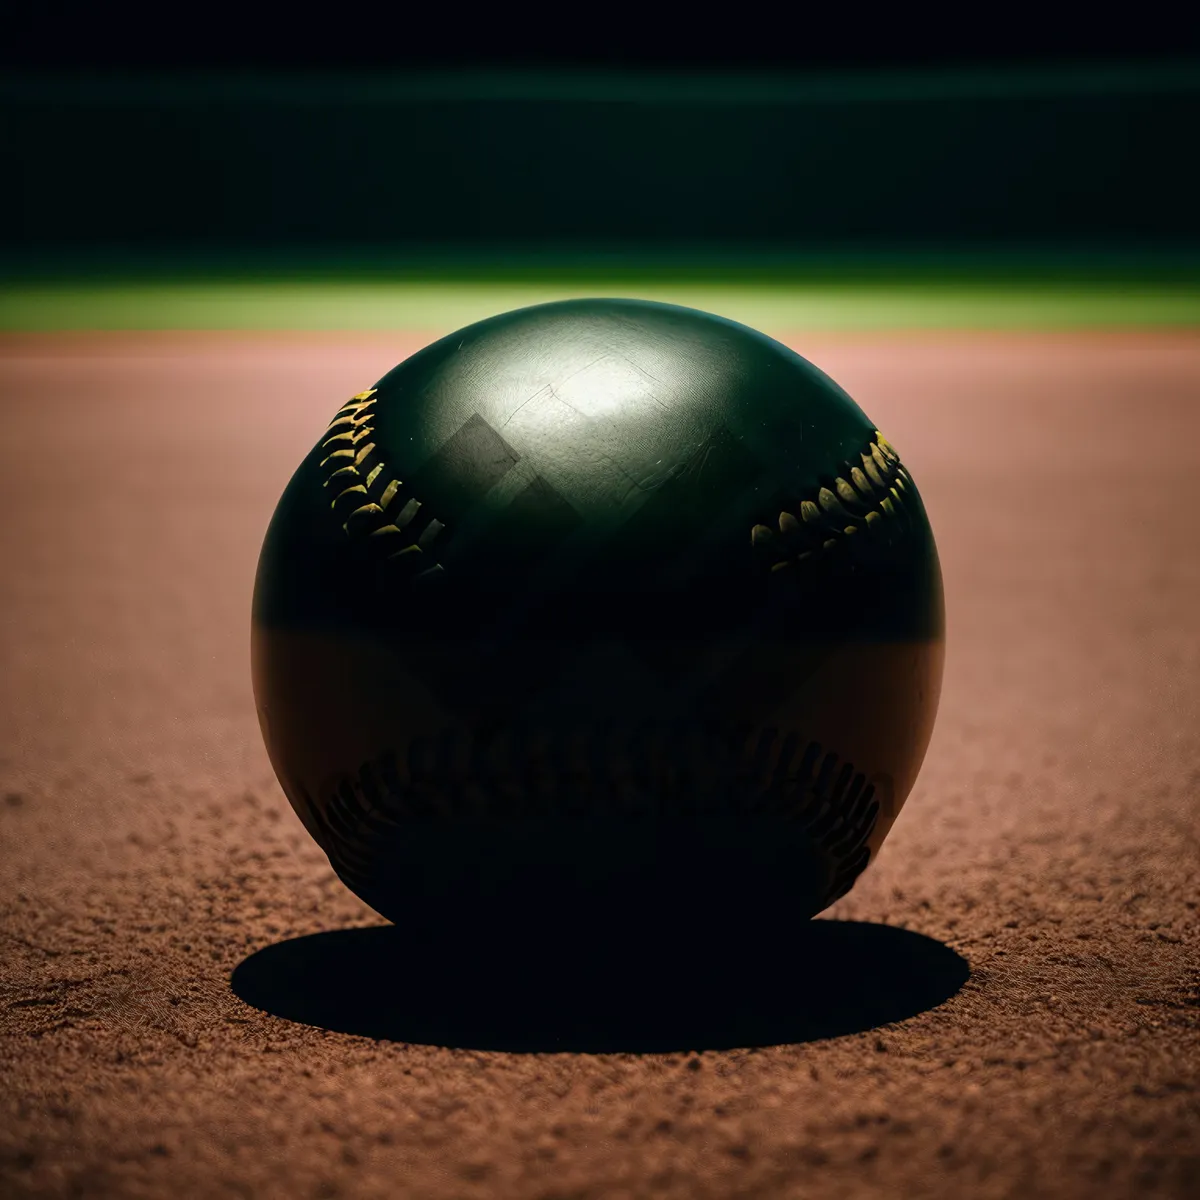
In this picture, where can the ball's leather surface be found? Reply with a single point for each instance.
(599, 614)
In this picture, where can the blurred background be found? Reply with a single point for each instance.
(277, 174)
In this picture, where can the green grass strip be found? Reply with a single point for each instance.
(27, 306)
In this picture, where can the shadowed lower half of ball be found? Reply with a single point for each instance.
(614, 881)
(603, 787)
(600, 787)
(604, 829)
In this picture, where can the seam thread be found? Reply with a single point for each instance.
(517, 774)
(377, 511)
(857, 506)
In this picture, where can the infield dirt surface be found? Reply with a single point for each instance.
(1008, 1003)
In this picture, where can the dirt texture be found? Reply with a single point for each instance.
(1007, 1004)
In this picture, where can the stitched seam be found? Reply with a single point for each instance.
(377, 511)
(741, 771)
(856, 506)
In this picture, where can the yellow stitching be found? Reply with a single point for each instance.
(886, 448)
(830, 517)
(352, 411)
(352, 436)
(831, 504)
(406, 514)
(358, 487)
(846, 492)
(862, 483)
(361, 517)
(872, 470)
(430, 532)
(350, 427)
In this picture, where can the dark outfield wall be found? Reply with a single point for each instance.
(1085, 156)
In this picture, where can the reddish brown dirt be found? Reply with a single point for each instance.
(1051, 841)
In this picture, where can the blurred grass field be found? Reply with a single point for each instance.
(429, 299)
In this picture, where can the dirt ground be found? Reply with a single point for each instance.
(1008, 1003)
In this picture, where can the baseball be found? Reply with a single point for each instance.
(600, 615)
